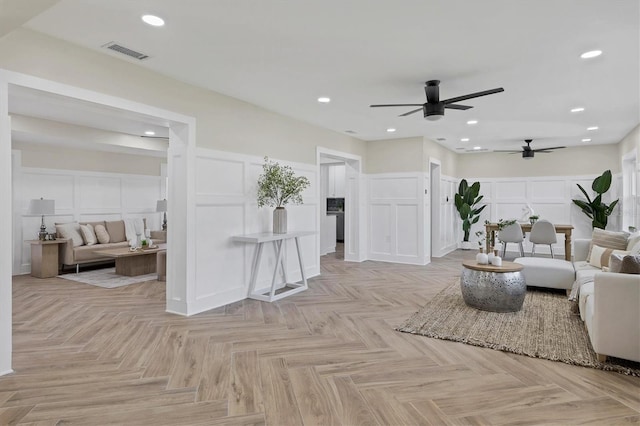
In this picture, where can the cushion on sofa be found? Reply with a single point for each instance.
(133, 227)
(632, 240)
(88, 234)
(599, 257)
(90, 253)
(608, 239)
(101, 234)
(116, 231)
(586, 292)
(70, 231)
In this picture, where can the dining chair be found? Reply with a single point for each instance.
(542, 232)
(511, 234)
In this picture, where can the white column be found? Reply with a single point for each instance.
(5, 228)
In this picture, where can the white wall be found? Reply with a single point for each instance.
(226, 206)
(550, 197)
(396, 208)
(79, 196)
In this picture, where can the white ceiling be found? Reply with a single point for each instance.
(283, 54)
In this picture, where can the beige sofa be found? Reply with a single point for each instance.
(609, 305)
(73, 253)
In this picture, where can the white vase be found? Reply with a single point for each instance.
(280, 220)
(482, 258)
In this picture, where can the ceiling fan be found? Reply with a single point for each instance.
(434, 108)
(527, 152)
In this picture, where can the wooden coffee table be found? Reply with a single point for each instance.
(133, 263)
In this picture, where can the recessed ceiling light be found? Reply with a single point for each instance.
(153, 20)
(477, 147)
(591, 54)
(579, 109)
(464, 140)
(391, 130)
(472, 122)
(149, 133)
(324, 100)
(586, 140)
(592, 128)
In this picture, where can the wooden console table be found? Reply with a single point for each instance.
(278, 242)
(492, 228)
(44, 258)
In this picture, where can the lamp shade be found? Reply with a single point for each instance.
(42, 207)
(161, 206)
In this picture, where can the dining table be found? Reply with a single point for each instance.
(492, 228)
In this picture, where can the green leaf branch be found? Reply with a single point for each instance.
(279, 186)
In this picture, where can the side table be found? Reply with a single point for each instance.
(44, 258)
(493, 288)
(278, 242)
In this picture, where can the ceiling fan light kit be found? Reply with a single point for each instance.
(433, 109)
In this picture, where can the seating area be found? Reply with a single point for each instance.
(603, 280)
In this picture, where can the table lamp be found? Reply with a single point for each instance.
(161, 207)
(42, 207)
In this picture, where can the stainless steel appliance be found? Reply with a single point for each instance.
(335, 206)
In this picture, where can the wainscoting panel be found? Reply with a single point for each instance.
(79, 196)
(396, 217)
(96, 192)
(226, 188)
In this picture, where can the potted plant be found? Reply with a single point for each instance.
(466, 201)
(533, 218)
(277, 187)
(595, 209)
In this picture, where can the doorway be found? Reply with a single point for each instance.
(340, 193)
(434, 182)
(180, 159)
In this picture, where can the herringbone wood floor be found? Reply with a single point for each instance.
(86, 355)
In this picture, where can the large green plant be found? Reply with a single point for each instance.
(279, 186)
(597, 211)
(466, 201)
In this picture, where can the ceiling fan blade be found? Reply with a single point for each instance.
(457, 106)
(548, 149)
(394, 105)
(410, 112)
(432, 90)
(473, 95)
(542, 151)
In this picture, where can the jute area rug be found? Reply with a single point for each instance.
(107, 278)
(544, 328)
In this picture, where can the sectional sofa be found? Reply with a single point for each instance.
(85, 239)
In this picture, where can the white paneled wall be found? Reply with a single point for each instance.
(397, 230)
(79, 196)
(226, 185)
(550, 198)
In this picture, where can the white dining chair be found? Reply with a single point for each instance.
(542, 232)
(511, 234)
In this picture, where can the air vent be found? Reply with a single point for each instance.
(350, 131)
(125, 51)
(477, 150)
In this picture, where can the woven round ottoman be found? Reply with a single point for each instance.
(550, 273)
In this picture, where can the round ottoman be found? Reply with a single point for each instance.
(545, 272)
(493, 288)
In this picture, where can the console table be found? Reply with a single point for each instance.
(492, 228)
(278, 242)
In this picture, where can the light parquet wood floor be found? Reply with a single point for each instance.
(328, 356)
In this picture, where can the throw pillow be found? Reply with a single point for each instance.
(600, 256)
(102, 234)
(116, 231)
(133, 227)
(608, 239)
(615, 262)
(88, 234)
(630, 265)
(635, 249)
(70, 231)
(632, 240)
